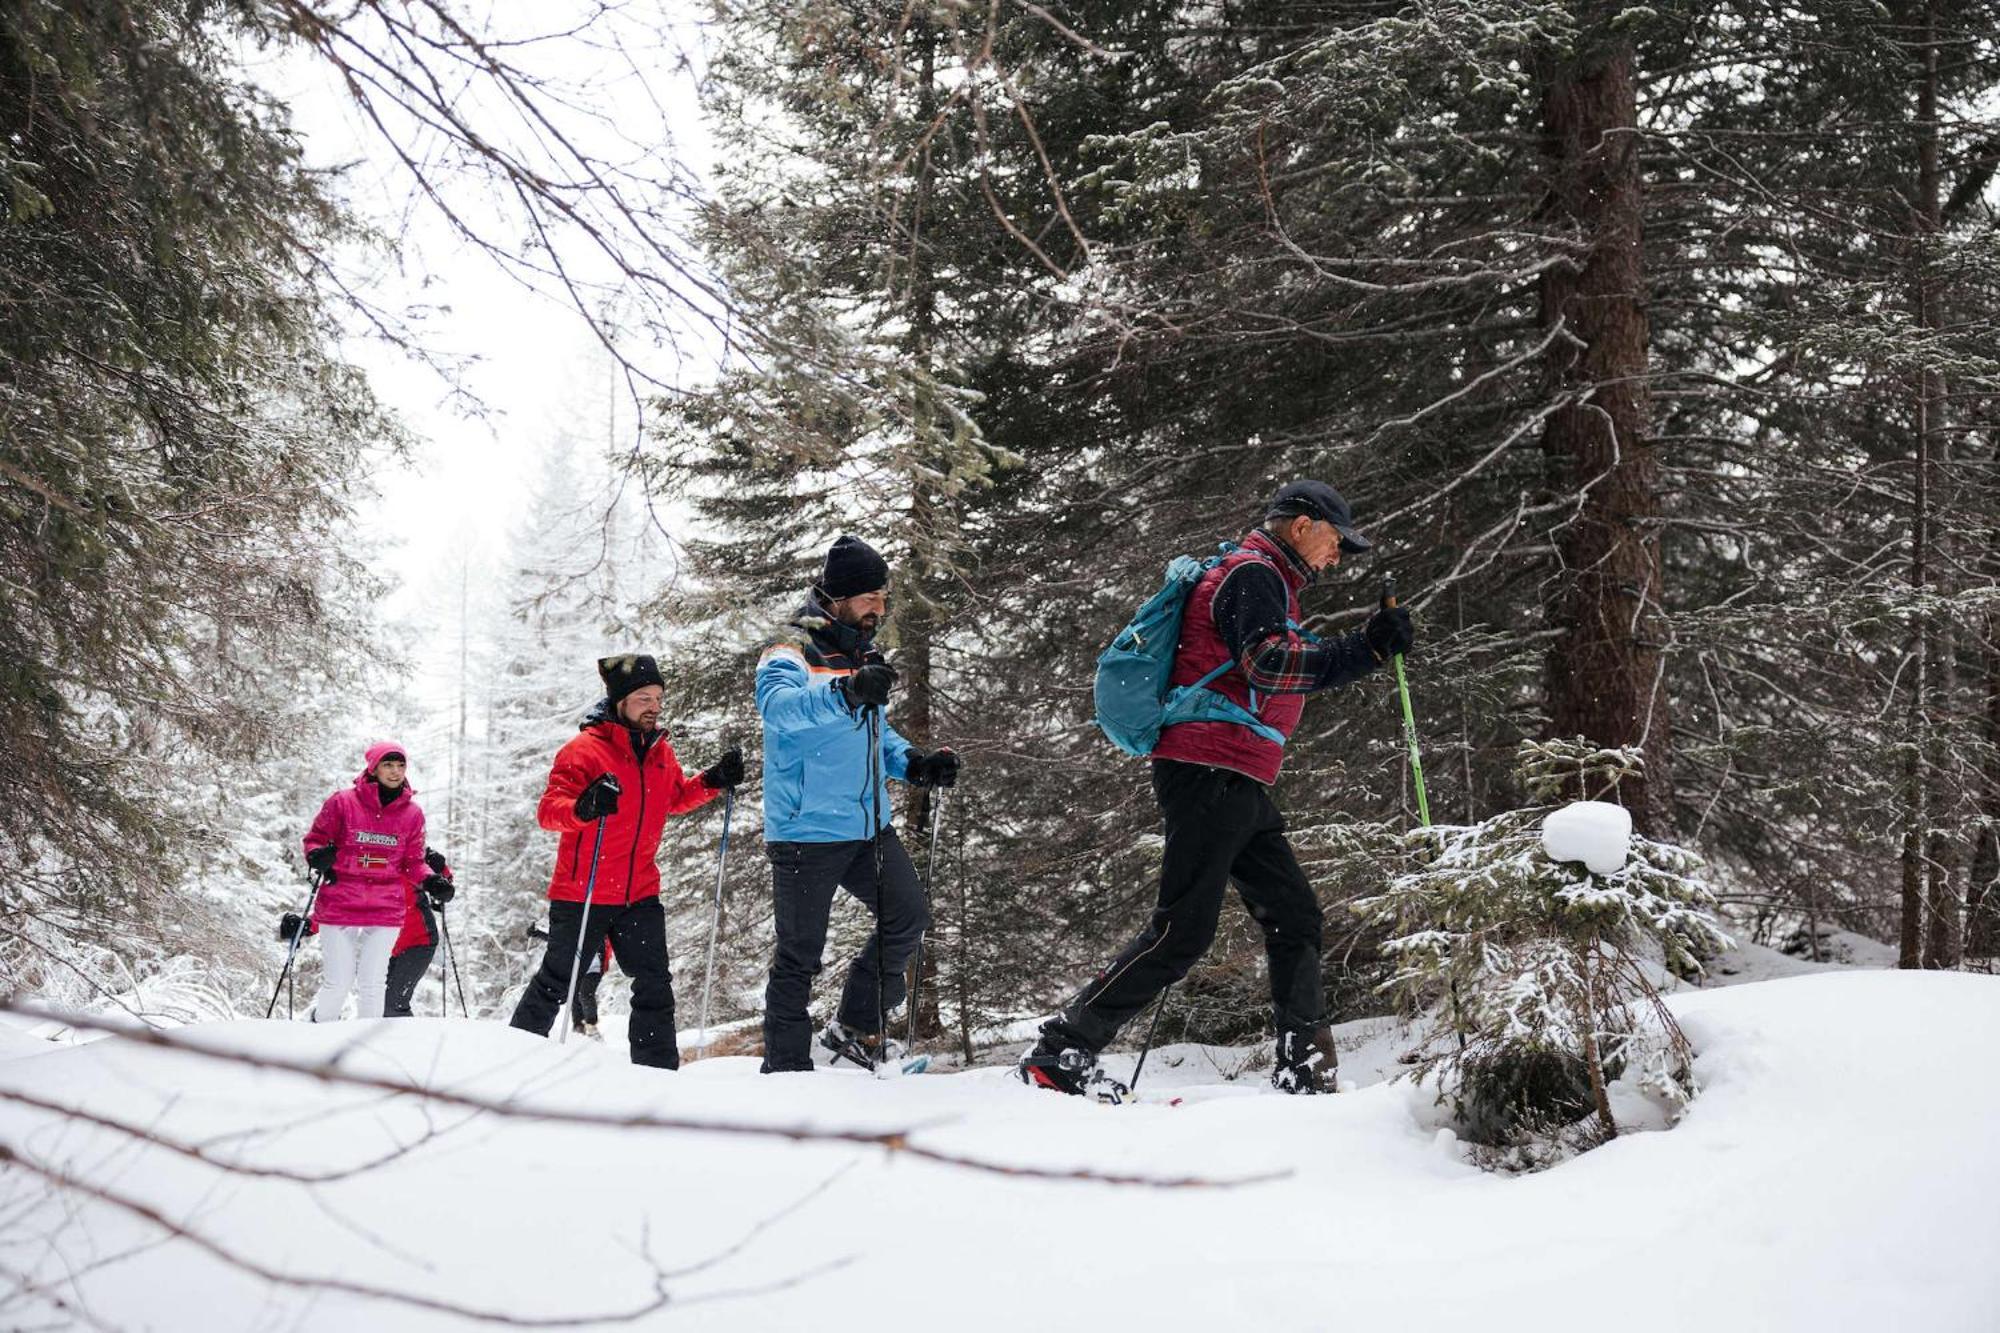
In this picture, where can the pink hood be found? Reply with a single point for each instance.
(378, 849)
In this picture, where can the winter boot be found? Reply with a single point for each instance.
(589, 1030)
(1307, 1062)
(1068, 1069)
(867, 1049)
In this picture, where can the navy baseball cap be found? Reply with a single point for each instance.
(1316, 499)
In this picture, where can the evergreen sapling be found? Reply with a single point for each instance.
(1545, 975)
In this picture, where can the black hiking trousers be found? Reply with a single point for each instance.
(638, 933)
(1221, 827)
(406, 969)
(803, 878)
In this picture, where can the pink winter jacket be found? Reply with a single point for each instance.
(379, 853)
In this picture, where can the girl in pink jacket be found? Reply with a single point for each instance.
(367, 846)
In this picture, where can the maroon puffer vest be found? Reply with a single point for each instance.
(1224, 744)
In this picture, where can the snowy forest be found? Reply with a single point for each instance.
(371, 370)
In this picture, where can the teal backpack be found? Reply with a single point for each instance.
(1134, 701)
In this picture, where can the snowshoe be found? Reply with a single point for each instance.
(875, 1053)
(1307, 1063)
(1070, 1070)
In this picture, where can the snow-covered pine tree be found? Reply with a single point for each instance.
(1537, 979)
(882, 213)
(578, 566)
(1818, 170)
(178, 453)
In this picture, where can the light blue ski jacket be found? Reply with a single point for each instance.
(815, 749)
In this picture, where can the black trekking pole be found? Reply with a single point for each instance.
(881, 891)
(1151, 1029)
(292, 952)
(451, 966)
(582, 925)
(936, 814)
(715, 919)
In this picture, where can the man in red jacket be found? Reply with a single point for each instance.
(1212, 781)
(618, 777)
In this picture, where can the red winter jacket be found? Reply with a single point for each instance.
(378, 850)
(419, 927)
(1202, 649)
(652, 790)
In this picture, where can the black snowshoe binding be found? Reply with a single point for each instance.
(1071, 1070)
(865, 1049)
(1307, 1063)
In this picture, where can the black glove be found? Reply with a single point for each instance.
(724, 772)
(288, 926)
(868, 686)
(936, 769)
(435, 860)
(439, 888)
(1389, 632)
(320, 859)
(599, 799)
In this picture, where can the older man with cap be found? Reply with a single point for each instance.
(1212, 779)
(821, 690)
(617, 777)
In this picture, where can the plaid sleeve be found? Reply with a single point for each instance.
(1250, 615)
(1287, 663)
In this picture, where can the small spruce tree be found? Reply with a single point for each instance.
(1542, 974)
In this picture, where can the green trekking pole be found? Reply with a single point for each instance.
(1417, 772)
(1409, 718)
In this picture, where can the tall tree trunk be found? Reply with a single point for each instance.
(1982, 890)
(1920, 877)
(1604, 674)
(920, 620)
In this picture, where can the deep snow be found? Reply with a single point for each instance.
(1838, 1171)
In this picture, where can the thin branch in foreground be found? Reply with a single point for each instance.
(891, 1140)
(194, 1152)
(64, 1180)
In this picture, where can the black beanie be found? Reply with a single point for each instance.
(852, 568)
(628, 672)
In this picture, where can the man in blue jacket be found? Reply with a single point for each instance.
(827, 754)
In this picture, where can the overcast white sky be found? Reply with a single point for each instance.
(528, 359)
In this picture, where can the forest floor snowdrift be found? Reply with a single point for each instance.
(1838, 1171)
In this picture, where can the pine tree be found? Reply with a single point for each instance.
(176, 454)
(577, 571)
(1539, 974)
(869, 212)
(1809, 203)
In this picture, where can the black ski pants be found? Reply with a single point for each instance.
(638, 933)
(406, 969)
(803, 878)
(1221, 826)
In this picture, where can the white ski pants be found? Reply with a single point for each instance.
(353, 958)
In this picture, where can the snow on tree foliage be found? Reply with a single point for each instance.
(1542, 973)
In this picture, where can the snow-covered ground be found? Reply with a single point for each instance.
(1838, 1171)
